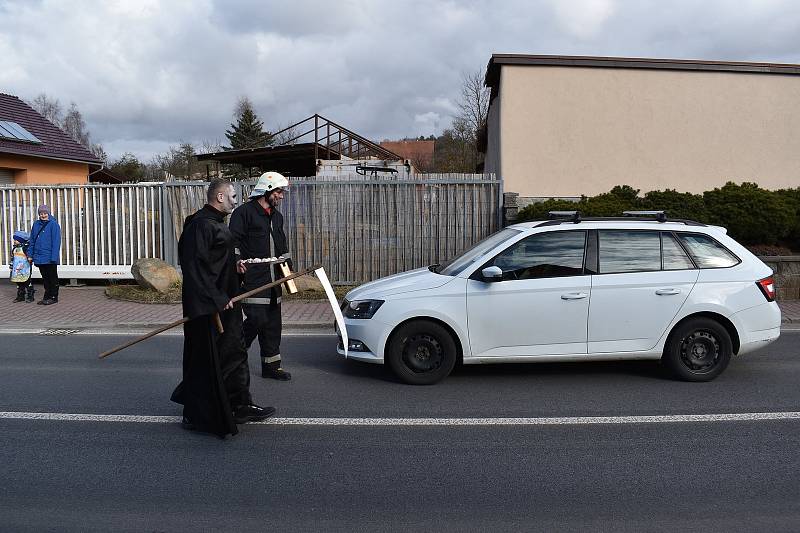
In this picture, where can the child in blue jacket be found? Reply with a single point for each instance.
(20, 267)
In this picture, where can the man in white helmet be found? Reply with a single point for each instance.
(257, 225)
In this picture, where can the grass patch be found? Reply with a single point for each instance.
(135, 293)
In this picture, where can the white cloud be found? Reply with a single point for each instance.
(583, 18)
(150, 74)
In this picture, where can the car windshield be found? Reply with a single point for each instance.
(459, 263)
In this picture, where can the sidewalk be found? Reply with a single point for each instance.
(85, 308)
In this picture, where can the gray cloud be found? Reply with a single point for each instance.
(147, 74)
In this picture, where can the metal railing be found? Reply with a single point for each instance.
(358, 229)
(104, 228)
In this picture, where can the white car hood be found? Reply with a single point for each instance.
(413, 280)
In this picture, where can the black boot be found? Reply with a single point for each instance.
(243, 414)
(20, 295)
(267, 371)
(30, 291)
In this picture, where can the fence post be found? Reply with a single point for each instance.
(510, 207)
(167, 229)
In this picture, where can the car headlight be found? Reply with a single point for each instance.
(362, 308)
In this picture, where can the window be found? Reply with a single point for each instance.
(629, 251)
(545, 255)
(672, 255)
(706, 252)
(458, 264)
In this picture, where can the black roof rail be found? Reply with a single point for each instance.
(630, 218)
(661, 216)
(565, 216)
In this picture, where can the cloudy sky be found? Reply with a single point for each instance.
(148, 74)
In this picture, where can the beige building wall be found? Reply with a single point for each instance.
(39, 171)
(567, 131)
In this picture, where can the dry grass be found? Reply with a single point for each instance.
(135, 293)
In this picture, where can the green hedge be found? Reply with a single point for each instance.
(752, 215)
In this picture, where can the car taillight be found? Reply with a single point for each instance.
(767, 286)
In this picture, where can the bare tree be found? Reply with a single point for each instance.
(75, 126)
(457, 148)
(284, 137)
(473, 104)
(49, 108)
(208, 146)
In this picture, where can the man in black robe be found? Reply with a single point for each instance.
(215, 391)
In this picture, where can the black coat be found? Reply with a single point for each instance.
(208, 263)
(215, 375)
(251, 226)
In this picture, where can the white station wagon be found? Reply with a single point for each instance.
(572, 289)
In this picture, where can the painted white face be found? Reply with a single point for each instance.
(227, 199)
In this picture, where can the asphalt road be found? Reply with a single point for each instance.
(127, 476)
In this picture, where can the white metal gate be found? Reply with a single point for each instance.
(104, 228)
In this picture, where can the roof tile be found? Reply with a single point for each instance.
(55, 143)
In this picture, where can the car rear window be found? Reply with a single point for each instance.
(707, 252)
(629, 251)
(673, 256)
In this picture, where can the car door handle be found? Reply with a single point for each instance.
(574, 295)
(667, 292)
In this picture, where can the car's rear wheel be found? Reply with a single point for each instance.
(421, 352)
(698, 350)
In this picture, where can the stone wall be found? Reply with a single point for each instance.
(787, 275)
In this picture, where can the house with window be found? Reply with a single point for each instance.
(566, 126)
(33, 151)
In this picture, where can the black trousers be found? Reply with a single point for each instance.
(50, 280)
(264, 322)
(25, 288)
(233, 358)
(216, 377)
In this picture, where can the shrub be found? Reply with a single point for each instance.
(752, 215)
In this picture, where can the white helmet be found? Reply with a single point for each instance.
(267, 182)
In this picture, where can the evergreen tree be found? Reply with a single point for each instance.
(248, 131)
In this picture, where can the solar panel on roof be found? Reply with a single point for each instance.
(15, 132)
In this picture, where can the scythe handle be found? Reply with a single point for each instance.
(186, 319)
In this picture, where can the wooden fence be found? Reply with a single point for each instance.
(359, 229)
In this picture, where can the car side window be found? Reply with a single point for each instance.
(707, 252)
(544, 255)
(629, 251)
(672, 255)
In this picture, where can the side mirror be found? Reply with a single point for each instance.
(492, 273)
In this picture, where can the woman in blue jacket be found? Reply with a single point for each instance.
(43, 251)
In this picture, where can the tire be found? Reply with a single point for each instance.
(698, 350)
(421, 353)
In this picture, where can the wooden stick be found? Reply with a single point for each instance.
(186, 319)
(218, 323)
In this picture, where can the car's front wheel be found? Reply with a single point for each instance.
(421, 352)
(698, 350)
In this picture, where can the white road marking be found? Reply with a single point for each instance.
(539, 421)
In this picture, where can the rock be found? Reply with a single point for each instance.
(308, 283)
(154, 274)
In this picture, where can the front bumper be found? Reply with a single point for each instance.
(370, 332)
